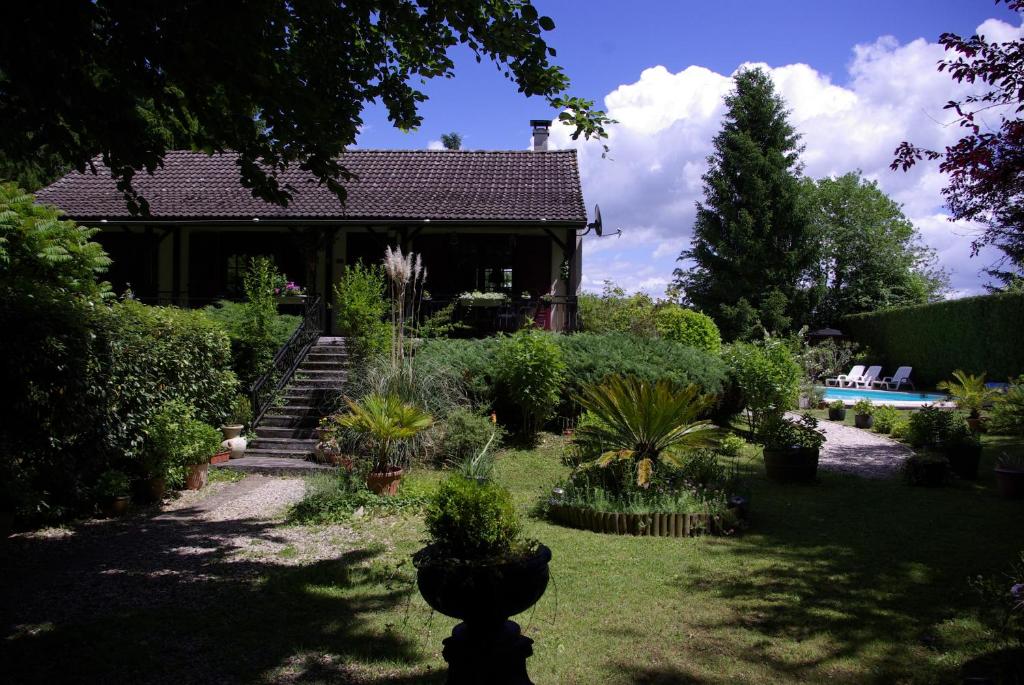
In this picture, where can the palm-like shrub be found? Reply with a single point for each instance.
(968, 391)
(384, 423)
(640, 423)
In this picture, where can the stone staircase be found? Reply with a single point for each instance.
(286, 430)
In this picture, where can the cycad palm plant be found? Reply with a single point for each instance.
(385, 423)
(968, 391)
(643, 423)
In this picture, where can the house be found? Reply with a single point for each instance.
(505, 221)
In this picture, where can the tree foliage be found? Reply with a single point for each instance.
(870, 255)
(986, 166)
(282, 83)
(751, 247)
(451, 141)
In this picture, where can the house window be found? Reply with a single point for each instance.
(497, 280)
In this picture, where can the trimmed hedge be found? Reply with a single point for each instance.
(982, 334)
(589, 358)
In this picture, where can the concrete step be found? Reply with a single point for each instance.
(278, 453)
(291, 410)
(322, 365)
(340, 357)
(288, 432)
(274, 466)
(326, 374)
(284, 443)
(316, 383)
(289, 421)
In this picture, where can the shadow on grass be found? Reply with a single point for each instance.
(158, 600)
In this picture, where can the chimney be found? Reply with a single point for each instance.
(540, 133)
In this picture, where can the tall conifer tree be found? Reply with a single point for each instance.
(751, 246)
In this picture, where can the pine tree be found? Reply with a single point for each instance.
(752, 244)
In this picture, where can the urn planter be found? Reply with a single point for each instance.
(384, 482)
(863, 421)
(231, 431)
(486, 647)
(115, 506)
(837, 414)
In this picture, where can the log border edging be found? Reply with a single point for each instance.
(647, 525)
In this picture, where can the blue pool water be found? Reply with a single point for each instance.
(882, 396)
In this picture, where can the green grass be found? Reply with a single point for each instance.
(848, 581)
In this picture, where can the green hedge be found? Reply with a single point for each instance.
(589, 358)
(982, 334)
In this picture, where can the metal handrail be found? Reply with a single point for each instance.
(287, 360)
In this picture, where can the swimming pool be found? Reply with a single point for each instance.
(895, 398)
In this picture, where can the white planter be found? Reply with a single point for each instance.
(237, 446)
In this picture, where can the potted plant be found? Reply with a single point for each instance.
(962, 447)
(288, 292)
(112, 488)
(811, 395)
(1010, 476)
(386, 426)
(837, 411)
(239, 415)
(970, 394)
(477, 568)
(862, 414)
(791, 448)
(176, 439)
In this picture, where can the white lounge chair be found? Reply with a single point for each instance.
(855, 373)
(868, 379)
(893, 382)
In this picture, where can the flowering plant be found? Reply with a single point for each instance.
(287, 288)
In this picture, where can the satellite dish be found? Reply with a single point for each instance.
(596, 224)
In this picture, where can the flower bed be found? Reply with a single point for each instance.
(650, 525)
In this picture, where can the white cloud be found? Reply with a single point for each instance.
(667, 121)
(435, 145)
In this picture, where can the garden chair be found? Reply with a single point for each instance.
(855, 373)
(893, 382)
(868, 379)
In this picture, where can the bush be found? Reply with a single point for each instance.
(928, 427)
(1007, 415)
(360, 308)
(261, 281)
(466, 434)
(731, 445)
(976, 334)
(688, 327)
(615, 312)
(530, 374)
(926, 469)
(863, 408)
(334, 498)
(471, 520)
(472, 362)
(175, 439)
(112, 483)
(767, 375)
(247, 350)
(829, 358)
(885, 418)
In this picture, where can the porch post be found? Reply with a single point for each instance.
(570, 281)
(332, 235)
(176, 265)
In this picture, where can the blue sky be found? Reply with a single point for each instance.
(863, 71)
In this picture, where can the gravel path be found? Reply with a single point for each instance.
(859, 452)
(180, 552)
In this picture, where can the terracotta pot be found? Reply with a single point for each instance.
(236, 445)
(335, 459)
(197, 474)
(837, 414)
(385, 483)
(221, 457)
(863, 420)
(977, 424)
(232, 431)
(115, 506)
(150, 490)
(791, 464)
(1010, 483)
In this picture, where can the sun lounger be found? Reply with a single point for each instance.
(893, 382)
(855, 373)
(868, 379)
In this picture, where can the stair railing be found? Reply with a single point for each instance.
(264, 391)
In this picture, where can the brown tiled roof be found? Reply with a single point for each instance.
(391, 185)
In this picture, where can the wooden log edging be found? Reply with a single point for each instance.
(648, 525)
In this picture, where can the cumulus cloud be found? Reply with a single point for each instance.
(652, 178)
(435, 145)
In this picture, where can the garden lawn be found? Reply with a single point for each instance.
(848, 580)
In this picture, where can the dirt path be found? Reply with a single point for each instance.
(179, 552)
(859, 452)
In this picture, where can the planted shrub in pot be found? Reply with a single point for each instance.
(970, 394)
(791, 448)
(1010, 476)
(183, 444)
(928, 469)
(837, 411)
(112, 489)
(962, 447)
(240, 414)
(477, 568)
(382, 423)
(862, 414)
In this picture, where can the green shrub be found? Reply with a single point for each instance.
(466, 434)
(863, 408)
(829, 358)
(247, 349)
(112, 483)
(360, 308)
(471, 520)
(688, 327)
(976, 334)
(587, 489)
(731, 446)
(261, 280)
(900, 428)
(176, 439)
(778, 432)
(334, 498)
(615, 312)
(767, 375)
(928, 427)
(472, 362)
(1007, 415)
(530, 374)
(885, 418)
(925, 469)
